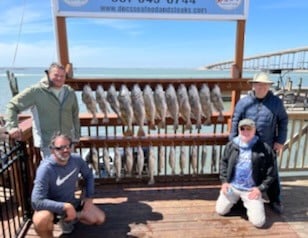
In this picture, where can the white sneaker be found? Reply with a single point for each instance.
(67, 227)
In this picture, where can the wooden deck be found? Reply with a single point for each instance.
(187, 210)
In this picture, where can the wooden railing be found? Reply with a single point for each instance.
(294, 155)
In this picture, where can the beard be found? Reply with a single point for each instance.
(63, 158)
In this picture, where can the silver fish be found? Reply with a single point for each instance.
(106, 159)
(160, 104)
(140, 161)
(161, 159)
(151, 165)
(214, 158)
(126, 109)
(194, 100)
(129, 160)
(117, 163)
(203, 159)
(112, 98)
(102, 102)
(150, 109)
(184, 106)
(90, 102)
(182, 160)
(172, 104)
(172, 159)
(194, 159)
(138, 108)
(205, 99)
(217, 101)
(92, 159)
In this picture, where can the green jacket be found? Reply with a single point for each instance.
(50, 115)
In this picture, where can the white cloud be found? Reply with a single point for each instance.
(27, 18)
(34, 55)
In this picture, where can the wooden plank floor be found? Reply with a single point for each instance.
(182, 210)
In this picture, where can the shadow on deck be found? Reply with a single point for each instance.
(187, 210)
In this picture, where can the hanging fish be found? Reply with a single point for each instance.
(138, 108)
(90, 102)
(161, 160)
(126, 109)
(194, 100)
(194, 159)
(214, 159)
(112, 98)
(203, 159)
(106, 159)
(129, 161)
(151, 165)
(92, 159)
(172, 159)
(217, 101)
(102, 102)
(184, 106)
(172, 104)
(182, 160)
(117, 163)
(150, 109)
(160, 104)
(205, 99)
(140, 161)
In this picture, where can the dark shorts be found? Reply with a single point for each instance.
(78, 204)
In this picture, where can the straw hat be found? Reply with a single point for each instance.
(261, 77)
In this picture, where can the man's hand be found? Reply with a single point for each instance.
(255, 193)
(69, 211)
(278, 147)
(15, 133)
(225, 188)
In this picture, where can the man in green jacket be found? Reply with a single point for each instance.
(54, 108)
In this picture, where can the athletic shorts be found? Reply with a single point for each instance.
(78, 204)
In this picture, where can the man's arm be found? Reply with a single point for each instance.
(39, 196)
(17, 104)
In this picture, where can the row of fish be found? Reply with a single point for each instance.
(128, 163)
(147, 106)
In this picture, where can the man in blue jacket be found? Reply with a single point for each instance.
(53, 195)
(269, 114)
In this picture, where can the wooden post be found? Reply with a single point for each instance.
(61, 39)
(237, 67)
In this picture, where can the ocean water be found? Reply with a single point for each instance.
(29, 76)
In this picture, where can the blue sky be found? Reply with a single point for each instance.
(271, 26)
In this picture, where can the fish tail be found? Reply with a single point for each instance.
(152, 126)
(105, 120)
(128, 132)
(188, 125)
(141, 131)
(220, 117)
(94, 121)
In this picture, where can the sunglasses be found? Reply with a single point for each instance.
(62, 147)
(245, 128)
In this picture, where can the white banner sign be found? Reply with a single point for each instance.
(154, 9)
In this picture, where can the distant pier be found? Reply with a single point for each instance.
(287, 60)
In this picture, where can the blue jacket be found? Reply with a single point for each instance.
(269, 115)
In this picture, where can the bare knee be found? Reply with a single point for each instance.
(43, 220)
